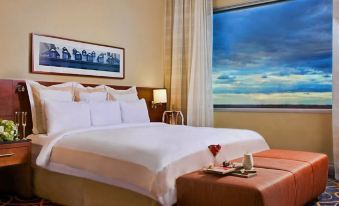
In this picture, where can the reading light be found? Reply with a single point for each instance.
(159, 97)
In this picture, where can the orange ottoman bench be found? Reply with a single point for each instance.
(318, 162)
(279, 182)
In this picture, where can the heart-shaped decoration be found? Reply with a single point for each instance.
(214, 149)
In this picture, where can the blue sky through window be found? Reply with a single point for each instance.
(274, 54)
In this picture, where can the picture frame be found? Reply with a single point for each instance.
(57, 55)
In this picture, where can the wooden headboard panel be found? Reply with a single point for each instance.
(12, 99)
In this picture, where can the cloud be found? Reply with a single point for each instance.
(287, 71)
(323, 98)
(291, 33)
(274, 83)
(225, 76)
(282, 48)
(272, 89)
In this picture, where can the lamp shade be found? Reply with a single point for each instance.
(159, 96)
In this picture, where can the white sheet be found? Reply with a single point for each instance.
(155, 146)
(38, 139)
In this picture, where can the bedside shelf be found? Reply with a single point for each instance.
(15, 142)
(15, 168)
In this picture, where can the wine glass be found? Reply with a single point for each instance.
(214, 149)
(24, 122)
(17, 123)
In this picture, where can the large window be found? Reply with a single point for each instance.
(276, 55)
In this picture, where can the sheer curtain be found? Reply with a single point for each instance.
(188, 57)
(335, 73)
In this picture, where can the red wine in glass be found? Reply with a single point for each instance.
(214, 149)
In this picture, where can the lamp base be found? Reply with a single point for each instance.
(173, 117)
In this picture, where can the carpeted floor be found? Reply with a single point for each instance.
(11, 200)
(329, 198)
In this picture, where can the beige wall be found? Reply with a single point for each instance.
(299, 131)
(133, 24)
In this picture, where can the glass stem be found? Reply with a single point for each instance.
(24, 131)
(215, 163)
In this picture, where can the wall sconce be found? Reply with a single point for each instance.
(19, 88)
(159, 97)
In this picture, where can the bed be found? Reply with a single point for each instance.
(143, 158)
(129, 163)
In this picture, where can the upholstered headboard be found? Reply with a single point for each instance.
(14, 97)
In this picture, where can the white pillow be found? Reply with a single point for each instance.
(80, 90)
(63, 116)
(130, 94)
(52, 95)
(134, 112)
(105, 113)
(92, 97)
(34, 90)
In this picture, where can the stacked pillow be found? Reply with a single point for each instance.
(37, 96)
(70, 105)
(134, 111)
(130, 94)
(105, 113)
(63, 116)
(90, 94)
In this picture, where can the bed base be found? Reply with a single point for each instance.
(74, 191)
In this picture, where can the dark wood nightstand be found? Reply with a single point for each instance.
(15, 168)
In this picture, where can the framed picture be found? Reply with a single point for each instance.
(55, 55)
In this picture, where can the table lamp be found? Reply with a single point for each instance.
(159, 97)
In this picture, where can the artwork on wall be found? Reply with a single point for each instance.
(55, 55)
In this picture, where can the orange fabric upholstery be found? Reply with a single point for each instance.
(283, 178)
(269, 187)
(318, 162)
(302, 172)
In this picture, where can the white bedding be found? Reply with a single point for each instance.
(155, 146)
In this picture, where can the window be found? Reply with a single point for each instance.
(276, 55)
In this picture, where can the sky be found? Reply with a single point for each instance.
(274, 54)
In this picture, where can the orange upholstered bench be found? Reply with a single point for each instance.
(283, 178)
(317, 161)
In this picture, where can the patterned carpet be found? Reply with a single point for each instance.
(11, 200)
(329, 198)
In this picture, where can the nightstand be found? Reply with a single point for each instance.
(15, 168)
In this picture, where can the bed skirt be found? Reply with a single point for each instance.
(74, 191)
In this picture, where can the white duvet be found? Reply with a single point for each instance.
(156, 146)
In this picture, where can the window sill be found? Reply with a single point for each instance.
(273, 110)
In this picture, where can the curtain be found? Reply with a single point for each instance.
(335, 97)
(188, 57)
